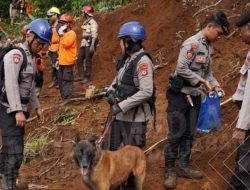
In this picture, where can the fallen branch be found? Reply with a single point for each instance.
(56, 96)
(160, 65)
(207, 7)
(234, 121)
(51, 167)
(232, 33)
(226, 101)
(100, 94)
(34, 186)
(232, 16)
(155, 145)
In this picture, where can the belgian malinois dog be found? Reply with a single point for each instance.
(105, 170)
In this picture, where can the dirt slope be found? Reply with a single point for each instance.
(163, 20)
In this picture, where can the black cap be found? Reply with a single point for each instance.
(220, 18)
(243, 19)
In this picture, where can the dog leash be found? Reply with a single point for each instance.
(107, 128)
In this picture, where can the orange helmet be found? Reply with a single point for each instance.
(24, 30)
(66, 18)
(89, 10)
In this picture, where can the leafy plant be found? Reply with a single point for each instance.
(35, 148)
(65, 116)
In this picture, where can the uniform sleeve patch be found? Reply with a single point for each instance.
(190, 54)
(16, 58)
(143, 69)
(200, 59)
(194, 46)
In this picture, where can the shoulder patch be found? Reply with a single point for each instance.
(194, 45)
(143, 69)
(16, 58)
(190, 54)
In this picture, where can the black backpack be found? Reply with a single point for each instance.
(3, 52)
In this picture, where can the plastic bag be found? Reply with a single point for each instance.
(210, 113)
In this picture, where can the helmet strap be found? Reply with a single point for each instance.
(30, 44)
(131, 46)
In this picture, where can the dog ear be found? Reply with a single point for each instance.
(77, 137)
(92, 140)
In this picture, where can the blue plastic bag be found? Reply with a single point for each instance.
(210, 113)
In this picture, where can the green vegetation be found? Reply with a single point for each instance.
(65, 116)
(73, 6)
(35, 148)
(42, 6)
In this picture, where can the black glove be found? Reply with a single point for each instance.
(111, 97)
(92, 48)
(115, 109)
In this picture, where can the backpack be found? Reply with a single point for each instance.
(3, 52)
(132, 69)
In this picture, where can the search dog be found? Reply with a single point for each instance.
(104, 170)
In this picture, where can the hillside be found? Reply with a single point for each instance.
(167, 23)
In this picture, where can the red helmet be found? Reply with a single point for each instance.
(66, 18)
(89, 10)
(24, 30)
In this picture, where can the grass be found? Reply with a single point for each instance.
(35, 148)
(65, 116)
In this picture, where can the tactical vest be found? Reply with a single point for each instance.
(127, 87)
(3, 52)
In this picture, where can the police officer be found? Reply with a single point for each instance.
(241, 178)
(88, 44)
(193, 69)
(19, 69)
(131, 90)
(53, 15)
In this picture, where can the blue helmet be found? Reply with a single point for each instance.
(133, 29)
(41, 28)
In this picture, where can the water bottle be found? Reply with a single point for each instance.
(219, 94)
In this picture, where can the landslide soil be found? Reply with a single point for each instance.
(167, 24)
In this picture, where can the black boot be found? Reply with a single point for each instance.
(80, 73)
(3, 183)
(190, 173)
(170, 178)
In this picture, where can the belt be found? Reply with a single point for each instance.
(24, 100)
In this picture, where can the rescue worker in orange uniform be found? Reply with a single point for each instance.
(67, 56)
(53, 15)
